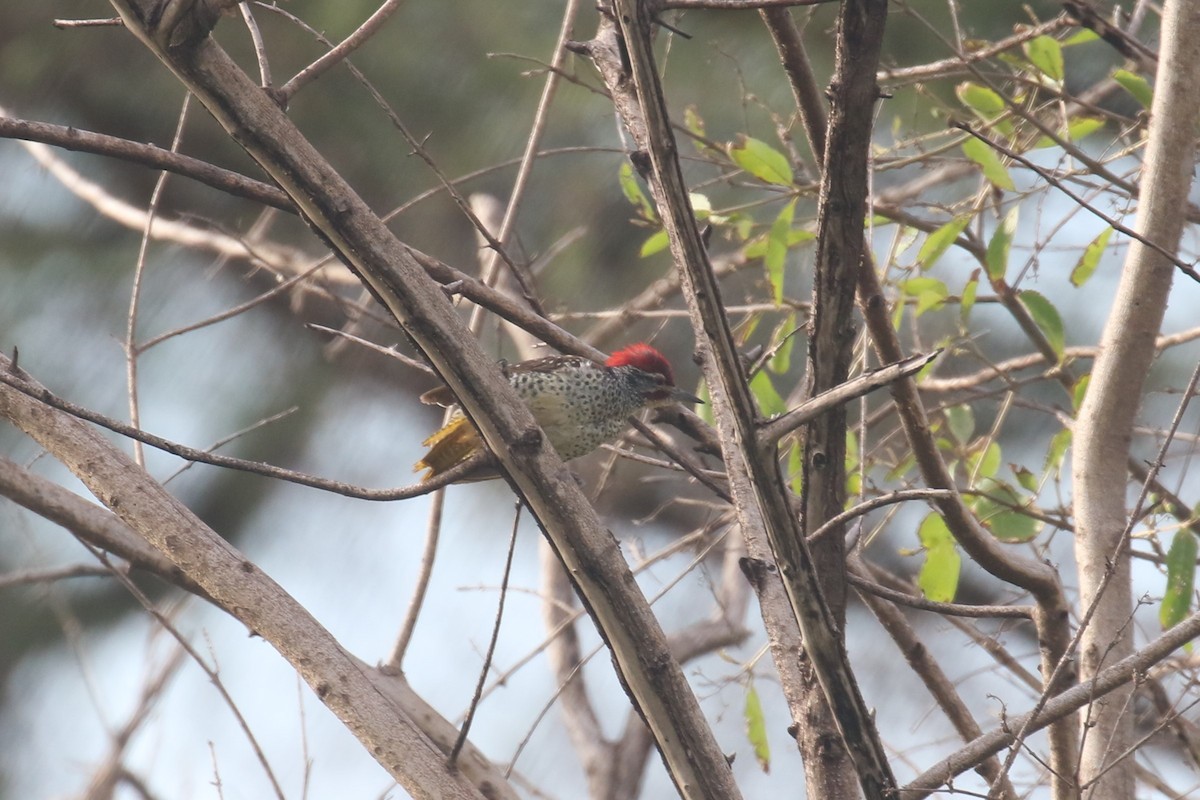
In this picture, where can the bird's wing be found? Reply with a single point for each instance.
(439, 396)
(442, 396)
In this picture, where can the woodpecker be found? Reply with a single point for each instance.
(579, 403)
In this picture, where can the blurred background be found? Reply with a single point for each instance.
(75, 655)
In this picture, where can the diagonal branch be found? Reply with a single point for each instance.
(771, 432)
(755, 480)
(239, 587)
(652, 678)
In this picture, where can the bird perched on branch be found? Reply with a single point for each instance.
(579, 403)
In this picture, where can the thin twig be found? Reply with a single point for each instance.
(339, 53)
(83, 141)
(1182, 266)
(260, 47)
(412, 614)
(131, 347)
(487, 659)
(947, 609)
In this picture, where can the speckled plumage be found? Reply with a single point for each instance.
(579, 403)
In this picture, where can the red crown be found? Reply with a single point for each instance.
(644, 357)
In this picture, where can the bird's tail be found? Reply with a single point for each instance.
(453, 444)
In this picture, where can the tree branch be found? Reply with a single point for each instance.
(339, 216)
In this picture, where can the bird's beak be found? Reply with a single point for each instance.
(684, 396)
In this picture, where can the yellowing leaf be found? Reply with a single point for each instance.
(938, 242)
(985, 102)
(1136, 85)
(938, 577)
(769, 401)
(1058, 449)
(1081, 37)
(777, 248)
(1045, 53)
(756, 728)
(705, 410)
(1079, 391)
(795, 469)
(1091, 258)
(1077, 130)
(694, 123)
(781, 361)
(656, 243)
(985, 463)
(633, 192)
(930, 293)
(761, 160)
(993, 169)
(968, 296)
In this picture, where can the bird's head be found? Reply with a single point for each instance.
(652, 374)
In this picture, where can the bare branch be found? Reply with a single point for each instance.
(653, 680)
(146, 154)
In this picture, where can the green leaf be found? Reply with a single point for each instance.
(993, 169)
(1000, 245)
(781, 361)
(756, 728)
(1047, 318)
(761, 160)
(1079, 391)
(1058, 449)
(701, 205)
(930, 293)
(742, 224)
(656, 243)
(898, 314)
(1181, 579)
(903, 468)
(769, 401)
(747, 328)
(961, 422)
(694, 123)
(854, 475)
(1028, 481)
(938, 577)
(777, 248)
(705, 410)
(985, 102)
(968, 296)
(758, 248)
(852, 450)
(1136, 85)
(795, 466)
(1091, 257)
(798, 235)
(1046, 54)
(1077, 129)
(985, 463)
(1081, 37)
(997, 514)
(633, 192)
(1082, 127)
(938, 242)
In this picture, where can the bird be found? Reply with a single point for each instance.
(579, 403)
